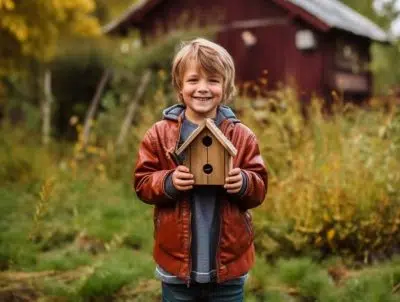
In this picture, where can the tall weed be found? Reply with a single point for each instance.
(334, 178)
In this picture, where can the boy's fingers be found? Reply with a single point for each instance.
(181, 182)
(233, 186)
(232, 179)
(184, 188)
(183, 172)
(182, 168)
(183, 175)
(234, 172)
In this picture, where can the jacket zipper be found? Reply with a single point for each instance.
(189, 249)
(223, 127)
(179, 133)
(175, 159)
(190, 213)
(218, 242)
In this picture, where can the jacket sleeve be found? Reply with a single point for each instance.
(149, 179)
(252, 165)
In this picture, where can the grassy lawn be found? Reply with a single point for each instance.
(92, 241)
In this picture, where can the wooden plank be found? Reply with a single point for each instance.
(221, 137)
(216, 158)
(187, 161)
(198, 155)
(228, 163)
(348, 82)
(191, 137)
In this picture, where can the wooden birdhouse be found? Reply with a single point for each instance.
(208, 154)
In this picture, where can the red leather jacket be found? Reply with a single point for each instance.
(172, 218)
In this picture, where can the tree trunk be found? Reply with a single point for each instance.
(133, 107)
(46, 107)
(93, 106)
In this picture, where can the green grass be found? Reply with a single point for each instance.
(118, 269)
(100, 225)
(302, 279)
(100, 232)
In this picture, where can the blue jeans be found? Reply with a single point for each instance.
(198, 292)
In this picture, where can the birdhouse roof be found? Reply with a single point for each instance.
(209, 124)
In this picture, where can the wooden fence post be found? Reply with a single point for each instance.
(133, 107)
(93, 106)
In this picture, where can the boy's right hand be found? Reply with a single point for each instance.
(182, 179)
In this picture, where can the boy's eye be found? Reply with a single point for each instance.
(214, 80)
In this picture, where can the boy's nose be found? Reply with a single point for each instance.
(202, 88)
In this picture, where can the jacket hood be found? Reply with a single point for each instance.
(224, 112)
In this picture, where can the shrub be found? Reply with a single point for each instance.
(333, 177)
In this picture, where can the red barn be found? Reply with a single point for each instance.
(316, 45)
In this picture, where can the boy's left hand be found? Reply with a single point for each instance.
(234, 181)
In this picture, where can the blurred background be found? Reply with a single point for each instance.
(82, 80)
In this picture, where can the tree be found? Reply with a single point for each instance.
(32, 29)
(381, 17)
(108, 10)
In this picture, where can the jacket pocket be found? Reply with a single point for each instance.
(236, 236)
(169, 231)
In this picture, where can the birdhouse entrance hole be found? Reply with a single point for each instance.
(207, 141)
(207, 168)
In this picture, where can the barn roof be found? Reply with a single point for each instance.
(332, 14)
(132, 14)
(338, 15)
(209, 124)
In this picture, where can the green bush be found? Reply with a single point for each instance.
(333, 177)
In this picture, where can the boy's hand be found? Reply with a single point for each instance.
(182, 179)
(234, 181)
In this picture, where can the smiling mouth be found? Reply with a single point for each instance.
(202, 99)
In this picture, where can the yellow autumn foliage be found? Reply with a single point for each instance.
(7, 4)
(33, 29)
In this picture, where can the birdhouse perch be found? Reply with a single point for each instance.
(208, 154)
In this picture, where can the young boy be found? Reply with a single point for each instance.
(203, 234)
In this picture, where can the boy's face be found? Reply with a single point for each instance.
(201, 92)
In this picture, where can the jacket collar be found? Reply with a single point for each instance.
(175, 113)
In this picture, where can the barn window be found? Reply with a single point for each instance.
(350, 56)
(305, 39)
(249, 39)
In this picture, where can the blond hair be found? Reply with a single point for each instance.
(212, 58)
